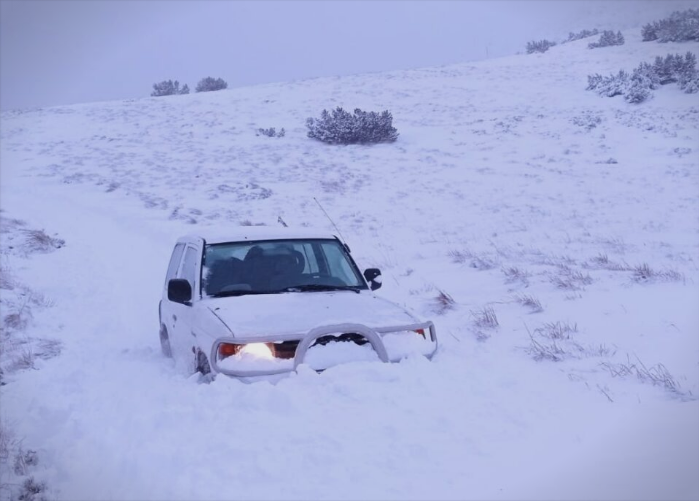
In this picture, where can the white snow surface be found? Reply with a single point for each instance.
(499, 186)
(251, 362)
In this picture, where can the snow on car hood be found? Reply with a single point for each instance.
(298, 313)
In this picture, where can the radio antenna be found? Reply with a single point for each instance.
(329, 218)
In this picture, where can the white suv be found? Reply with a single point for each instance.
(260, 301)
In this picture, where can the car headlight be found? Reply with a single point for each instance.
(255, 350)
(259, 350)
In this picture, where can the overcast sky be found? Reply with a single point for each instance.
(56, 52)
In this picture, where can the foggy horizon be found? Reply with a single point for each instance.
(66, 52)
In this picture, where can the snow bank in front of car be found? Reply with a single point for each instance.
(320, 357)
(402, 344)
(252, 362)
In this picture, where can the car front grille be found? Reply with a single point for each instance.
(285, 350)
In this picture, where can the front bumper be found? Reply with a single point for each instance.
(373, 335)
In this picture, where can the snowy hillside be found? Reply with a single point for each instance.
(572, 216)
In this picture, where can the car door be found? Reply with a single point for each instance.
(166, 314)
(182, 314)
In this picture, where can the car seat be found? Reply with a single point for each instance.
(223, 273)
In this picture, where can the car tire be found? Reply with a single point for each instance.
(165, 342)
(202, 363)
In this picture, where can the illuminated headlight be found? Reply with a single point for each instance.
(259, 350)
(252, 350)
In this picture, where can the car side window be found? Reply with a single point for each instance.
(174, 262)
(188, 270)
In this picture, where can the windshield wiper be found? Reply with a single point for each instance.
(321, 287)
(291, 289)
(238, 292)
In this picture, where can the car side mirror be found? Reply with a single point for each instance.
(373, 277)
(179, 291)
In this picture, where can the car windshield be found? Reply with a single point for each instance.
(259, 267)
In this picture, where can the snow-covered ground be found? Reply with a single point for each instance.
(551, 234)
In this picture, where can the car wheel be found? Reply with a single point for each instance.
(165, 342)
(202, 363)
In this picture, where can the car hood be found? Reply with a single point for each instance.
(298, 313)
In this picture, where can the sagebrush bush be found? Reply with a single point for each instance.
(636, 87)
(681, 26)
(607, 39)
(169, 88)
(539, 46)
(344, 128)
(211, 84)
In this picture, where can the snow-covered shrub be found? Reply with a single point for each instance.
(646, 73)
(649, 32)
(587, 119)
(607, 39)
(636, 93)
(271, 132)
(681, 26)
(682, 70)
(169, 88)
(342, 127)
(211, 84)
(687, 74)
(666, 69)
(539, 46)
(692, 86)
(636, 87)
(610, 86)
(643, 79)
(581, 34)
(594, 81)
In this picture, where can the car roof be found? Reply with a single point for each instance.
(258, 233)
